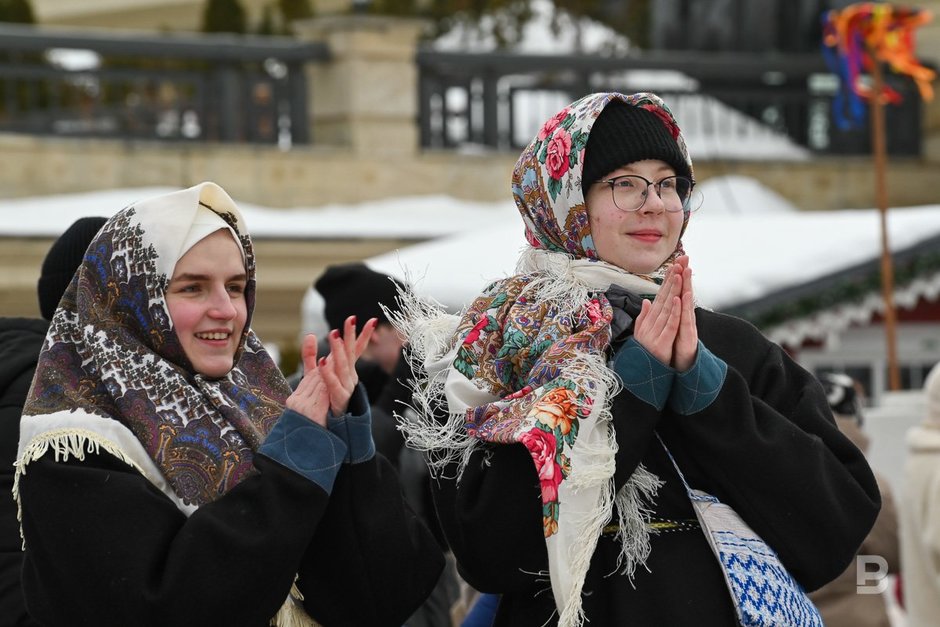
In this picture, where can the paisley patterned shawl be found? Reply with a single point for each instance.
(526, 362)
(112, 373)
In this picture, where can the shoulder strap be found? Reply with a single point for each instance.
(695, 495)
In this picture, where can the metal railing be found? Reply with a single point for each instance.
(492, 99)
(180, 87)
(231, 88)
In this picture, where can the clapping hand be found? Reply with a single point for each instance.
(329, 382)
(339, 368)
(666, 326)
(311, 398)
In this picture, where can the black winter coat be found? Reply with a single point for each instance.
(767, 445)
(126, 556)
(20, 342)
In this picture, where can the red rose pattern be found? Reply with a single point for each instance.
(474, 334)
(520, 393)
(559, 148)
(594, 311)
(553, 123)
(542, 446)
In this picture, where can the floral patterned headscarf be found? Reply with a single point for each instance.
(112, 372)
(546, 182)
(527, 361)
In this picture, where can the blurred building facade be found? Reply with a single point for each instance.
(365, 122)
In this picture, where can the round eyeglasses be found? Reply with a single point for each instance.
(630, 192)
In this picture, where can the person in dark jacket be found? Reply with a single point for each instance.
(354, 289)
(166, 473)
(550, 403)
(20, 342)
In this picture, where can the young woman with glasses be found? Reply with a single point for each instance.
(550, 402)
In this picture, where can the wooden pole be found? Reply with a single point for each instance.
(881, 194)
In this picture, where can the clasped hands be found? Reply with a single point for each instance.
(666, 326)
(329, 382)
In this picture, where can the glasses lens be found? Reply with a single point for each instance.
(675, 191)
(629, 192)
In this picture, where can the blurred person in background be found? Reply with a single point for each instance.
(20, 342)
(354, 289)
(920, 513)
(840, 602)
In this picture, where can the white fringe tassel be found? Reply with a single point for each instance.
(432, 335)
(633, 506)
(595, 472)
(292, 613)
(64, 443)
(76, 443)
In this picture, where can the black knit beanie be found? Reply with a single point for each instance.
(354, 289)
(63, 259)
(623, 134)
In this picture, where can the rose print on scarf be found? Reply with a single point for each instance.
(474, 334)
(557, 154)
(466, 361)
(594, 311)
(556, 417)
(533, 241)
(560, 155)
(520, 360)
(518, 393)
(556, 410)
(542, 447)
(554, 122)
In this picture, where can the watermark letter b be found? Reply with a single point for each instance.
(871, 574)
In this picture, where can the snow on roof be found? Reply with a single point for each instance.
(538, 35)
(735, 257)
(417, 217)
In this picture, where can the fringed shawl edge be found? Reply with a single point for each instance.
(77, 433)
(431, 333)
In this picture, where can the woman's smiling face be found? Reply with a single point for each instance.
(206, 299)
(636, 241)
